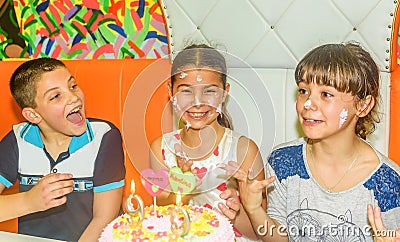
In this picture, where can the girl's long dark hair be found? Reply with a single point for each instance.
(201, 56)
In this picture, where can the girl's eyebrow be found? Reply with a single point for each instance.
(211, 85)
(183, 85)
(205, 86)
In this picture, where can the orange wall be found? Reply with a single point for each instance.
(394, 137)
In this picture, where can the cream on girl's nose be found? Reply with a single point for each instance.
(307, 104)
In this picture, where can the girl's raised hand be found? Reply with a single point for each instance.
(182, 159)
(251, 192)
(231, 209)
(250, 189)
(381, 233)
(184, 162)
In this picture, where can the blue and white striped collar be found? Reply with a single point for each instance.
(31, 133)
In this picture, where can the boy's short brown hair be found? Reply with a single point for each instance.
(24, 80)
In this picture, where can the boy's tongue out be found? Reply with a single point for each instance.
(74, 118)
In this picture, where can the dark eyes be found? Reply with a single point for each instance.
(206, 91)
(302, 91)
(210, 91)
(55, 97)
(186, 91)
(323, 94)
(326, 94)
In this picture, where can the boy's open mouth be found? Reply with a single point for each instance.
(75, 116)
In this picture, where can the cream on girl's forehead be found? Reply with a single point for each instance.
(199, 78)
(183, 75)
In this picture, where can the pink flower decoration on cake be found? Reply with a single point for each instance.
(208, 206)
(161, 234)
(198, 209)
(213, 223)
(137, 233)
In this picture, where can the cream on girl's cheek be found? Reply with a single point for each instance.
(219, 108)
(175, 104)
(188, 125)
(343, 117)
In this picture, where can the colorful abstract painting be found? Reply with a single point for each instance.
(87, 29)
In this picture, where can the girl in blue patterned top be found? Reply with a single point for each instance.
(331, 185)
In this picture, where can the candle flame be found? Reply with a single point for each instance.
(132, 186)
(178, 198)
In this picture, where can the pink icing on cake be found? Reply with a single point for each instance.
(206, 225)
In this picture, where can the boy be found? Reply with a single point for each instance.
(70, 169)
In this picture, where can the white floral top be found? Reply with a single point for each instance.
(213, 178)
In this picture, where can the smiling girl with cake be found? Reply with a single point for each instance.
(198, 90)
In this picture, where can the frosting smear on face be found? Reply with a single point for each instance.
(342, 117)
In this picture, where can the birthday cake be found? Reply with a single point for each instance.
(205, 225)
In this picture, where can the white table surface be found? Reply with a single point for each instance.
(12, 237)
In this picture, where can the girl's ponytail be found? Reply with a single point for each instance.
(224, 119)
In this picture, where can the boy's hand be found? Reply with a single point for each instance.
(231, 209)
(375, 219)
(50, 191)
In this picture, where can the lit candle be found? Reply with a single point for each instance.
(184, 228)
(178, 199)
(155, 206)
(129, 205)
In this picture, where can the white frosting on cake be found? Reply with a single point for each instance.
(206, 225)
